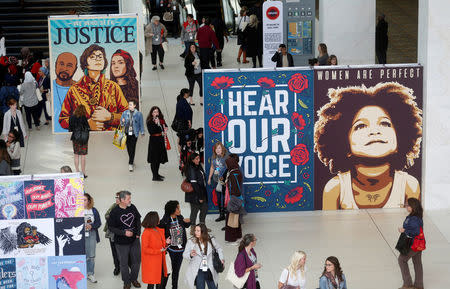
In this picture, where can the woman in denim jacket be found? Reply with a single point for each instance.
(132, 129)
(332, 276)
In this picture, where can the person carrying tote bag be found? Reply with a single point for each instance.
(246, 263)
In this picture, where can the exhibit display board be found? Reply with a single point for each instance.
(94, 61)
(42, 236)
(362, 125)
(273, 27)
(368, 132)
(266, 118)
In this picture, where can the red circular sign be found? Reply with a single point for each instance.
(272, 13)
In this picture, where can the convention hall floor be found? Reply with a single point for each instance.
(363, 240)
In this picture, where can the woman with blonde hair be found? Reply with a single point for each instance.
(253, 35)
(216, 176)
(294, 275)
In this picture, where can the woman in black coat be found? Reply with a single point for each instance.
(197, 199)
(157, 152)
(253, 35)
(174, 226)
(193, 72)
(79, 127)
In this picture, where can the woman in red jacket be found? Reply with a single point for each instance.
(153, 252)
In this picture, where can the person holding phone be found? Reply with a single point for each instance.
(153, 252)
(157, 152)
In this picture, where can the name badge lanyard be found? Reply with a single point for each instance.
(204, 264)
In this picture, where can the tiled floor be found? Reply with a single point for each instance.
(363, 240)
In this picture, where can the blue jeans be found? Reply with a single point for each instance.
(203, 277)
(91, 243)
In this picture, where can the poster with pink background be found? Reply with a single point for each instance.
(69, 198)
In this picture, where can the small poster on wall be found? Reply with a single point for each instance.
(69, 236)
(12, 203)
(8, 271)
(40, 199)
(27, 237)
(69, 198)
(32, 273)
(67, 272)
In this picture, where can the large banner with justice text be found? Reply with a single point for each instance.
(42, 240)
(266, 118)
(94, 61)
(368, 133)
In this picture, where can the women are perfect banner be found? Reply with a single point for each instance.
(94, 61)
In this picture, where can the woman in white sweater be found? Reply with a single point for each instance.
(13, 147)
(13, 120)
(199, 252)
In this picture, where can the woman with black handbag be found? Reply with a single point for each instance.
(200, 251)
(411, 228)
(198, 199)
(79, 127)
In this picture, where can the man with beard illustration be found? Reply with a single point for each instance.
(65, 67)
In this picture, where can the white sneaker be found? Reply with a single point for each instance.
(130, 168)
(38, 128)
(92, 278)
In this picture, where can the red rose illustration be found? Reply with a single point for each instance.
(298, 83)
(266, 82)
(294, 195)
(298, 121)
(222, 82)
(299, 155)
(218, 122)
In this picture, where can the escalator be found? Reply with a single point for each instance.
(25, 21)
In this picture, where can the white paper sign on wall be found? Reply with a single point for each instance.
(272, 30)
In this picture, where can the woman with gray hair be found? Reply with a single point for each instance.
(155, 34)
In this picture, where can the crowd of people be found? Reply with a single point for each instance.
(157, 246)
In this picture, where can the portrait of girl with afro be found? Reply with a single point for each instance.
(368, 137)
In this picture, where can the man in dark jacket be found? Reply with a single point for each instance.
(282, 57)
(125, 222)
(221, 33)
(381, 39)
(206, 39)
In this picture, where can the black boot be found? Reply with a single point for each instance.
(221, 216)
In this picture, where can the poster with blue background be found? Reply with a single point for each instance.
(267, 119)
(94, 61)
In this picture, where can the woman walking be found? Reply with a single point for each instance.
(30, 100)
(13, 146)
(199, 252)
(133, 123)
(155, 33)
(183, 111)
(294, 274)
(79, 127)
(175, 226)
(332, 275)
(44, 88)
(253, 36)
(246, 261)
(153, 252)
(242, 23)
(197, 198)
(157, 152)
(193, 72)
(13, 120)
(235, 208)
(412, 227)
(92, 223)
